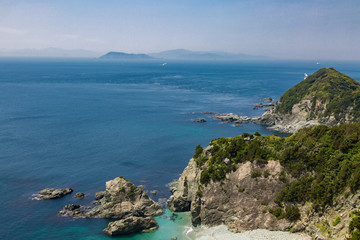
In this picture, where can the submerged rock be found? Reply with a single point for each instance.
(230, 117)
(131, 225)
(154, 192)
(269, 99)
(79, 195)
(200, 120)
(52, 193)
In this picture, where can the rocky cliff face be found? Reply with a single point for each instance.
(240, 201)
(266, 186)
(327, 97)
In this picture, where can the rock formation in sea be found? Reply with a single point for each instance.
(308, 182)
(326, 97)
(121, 200)
(52, 193)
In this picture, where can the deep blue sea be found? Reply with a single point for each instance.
(80, 123)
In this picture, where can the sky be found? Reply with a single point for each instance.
(285, 29)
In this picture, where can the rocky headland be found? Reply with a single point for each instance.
(327, 97)
(123, 201)
(308, 182)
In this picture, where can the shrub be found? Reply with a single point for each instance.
(266, 173)
(292, 213)
(282, 176)
(278, 212)
(255, 174)
(198, 151)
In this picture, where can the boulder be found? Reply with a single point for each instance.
(99, 195)
(131, 225)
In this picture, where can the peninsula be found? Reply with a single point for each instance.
(326, 97)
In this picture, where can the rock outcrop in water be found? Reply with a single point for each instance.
(121, 200)
(52, 193)
(327, 97)
(131, 225)
(307, 182)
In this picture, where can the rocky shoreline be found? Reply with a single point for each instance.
(131, 208)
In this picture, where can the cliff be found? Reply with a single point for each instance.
(326, 97)
(307, 182)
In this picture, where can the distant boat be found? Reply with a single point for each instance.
(164, 64)
(317, 63)
(305, 74)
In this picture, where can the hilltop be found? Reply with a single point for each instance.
(326, 97)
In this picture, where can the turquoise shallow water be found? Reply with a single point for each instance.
(80, 123)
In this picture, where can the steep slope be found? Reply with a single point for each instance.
(307, 182)
(326, 97)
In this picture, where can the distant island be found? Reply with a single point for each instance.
(183, 55)
(125, 56)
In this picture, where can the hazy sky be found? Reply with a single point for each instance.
(311, 29)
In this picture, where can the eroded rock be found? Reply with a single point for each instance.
(52, 193)
(131, 225)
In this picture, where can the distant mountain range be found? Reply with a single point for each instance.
(183, 54)
(177, 54)
(49, 52)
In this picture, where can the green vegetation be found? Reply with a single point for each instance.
(337, 221)
(266, 173)
(292, 213)
(324, 161)
(255, 174)
(237, 150)
(327, 86)
(354, 226)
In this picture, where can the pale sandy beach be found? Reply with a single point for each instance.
(221, 233)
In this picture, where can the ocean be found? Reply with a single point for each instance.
(81, 122)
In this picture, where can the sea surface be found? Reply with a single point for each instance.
(79, 123)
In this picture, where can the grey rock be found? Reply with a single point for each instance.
(120, 200)
(154, 192)
(178, 204)
(131, 225)
(51, 193)
(269, 99)
(99, 195)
